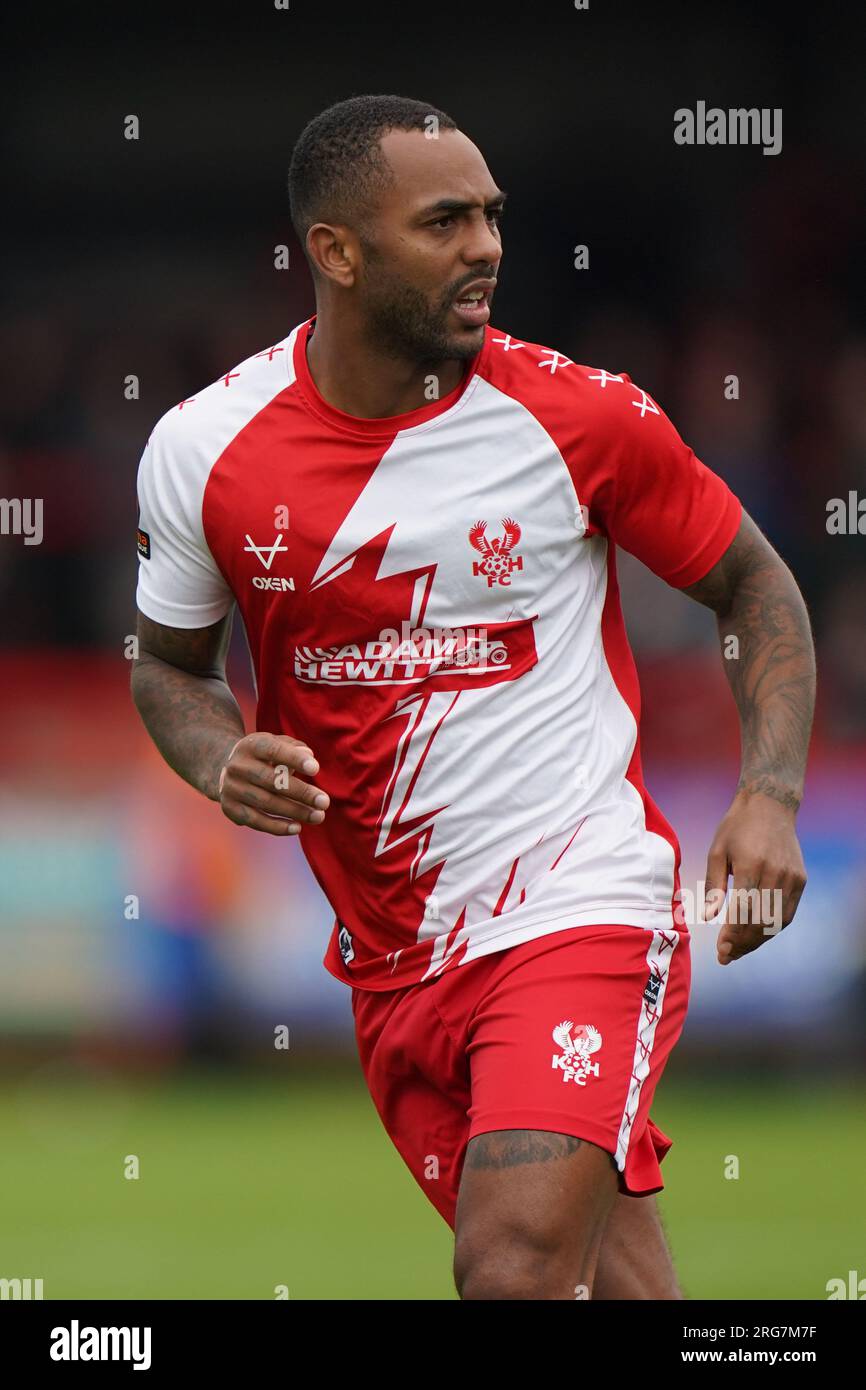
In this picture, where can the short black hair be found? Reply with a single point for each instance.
(337, 167)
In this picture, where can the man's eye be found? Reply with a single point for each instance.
(493, 214)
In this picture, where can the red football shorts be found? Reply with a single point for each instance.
(569, 1032)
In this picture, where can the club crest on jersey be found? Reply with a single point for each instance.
(498, 562)
(577, 1046)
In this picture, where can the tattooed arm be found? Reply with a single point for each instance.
(770, 664)
(180, 690)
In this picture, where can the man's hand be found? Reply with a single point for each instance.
(180, 690)
(757, 844)
(259, 786)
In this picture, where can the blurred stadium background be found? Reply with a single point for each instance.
(153, 1035)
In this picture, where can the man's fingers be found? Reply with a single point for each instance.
(256, 820)
(259, 786)
(792, 898)
(272, 804)
(280, 749)
(224, 767)
(744, 905)
(782, 888)
(768, 876)
(737, 939)
(715, 882)
(273, 780)
(273, 762)
(743, 929)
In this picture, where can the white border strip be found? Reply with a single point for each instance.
(657, 964)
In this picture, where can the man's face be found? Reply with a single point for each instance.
(434, 234)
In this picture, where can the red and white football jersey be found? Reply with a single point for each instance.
(431, 604)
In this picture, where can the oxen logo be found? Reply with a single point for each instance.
(265, 553)
(577, 1044)
(498, 562)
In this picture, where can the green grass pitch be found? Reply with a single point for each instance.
(247, 1183)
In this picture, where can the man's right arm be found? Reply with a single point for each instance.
(180, 690)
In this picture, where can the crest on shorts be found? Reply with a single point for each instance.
(577, 1043)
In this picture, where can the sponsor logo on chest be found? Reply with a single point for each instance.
(266, 555)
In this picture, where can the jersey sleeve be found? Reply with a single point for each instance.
(657, 499)
(179, 582)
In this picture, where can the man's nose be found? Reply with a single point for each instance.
(483, 248)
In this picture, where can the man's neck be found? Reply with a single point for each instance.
(353, 376)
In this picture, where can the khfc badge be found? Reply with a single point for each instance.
(577, 1046)
(498, 563)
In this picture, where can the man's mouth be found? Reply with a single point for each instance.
(473, 305)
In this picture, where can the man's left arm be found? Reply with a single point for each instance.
(769, 657)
